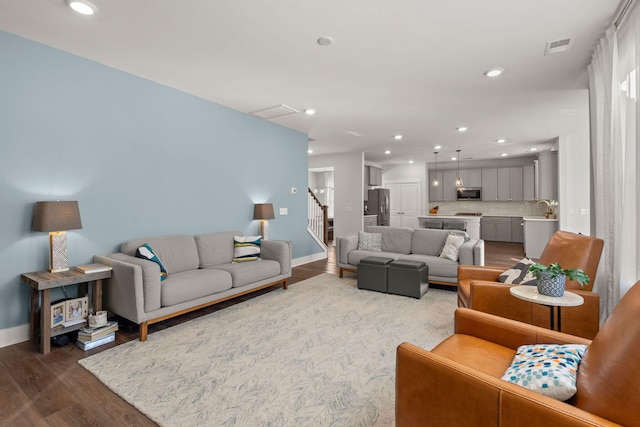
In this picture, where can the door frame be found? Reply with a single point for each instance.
(417, 181)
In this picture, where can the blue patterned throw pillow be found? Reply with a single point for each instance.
(246, 248)
(145, 252)
(549, 369)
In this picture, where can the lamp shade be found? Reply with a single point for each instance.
(56, 216)
(263, 211)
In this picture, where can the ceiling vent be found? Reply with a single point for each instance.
(557, 46)
(273, 112)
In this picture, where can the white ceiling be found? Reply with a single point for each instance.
(413, 67)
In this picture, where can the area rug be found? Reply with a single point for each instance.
(321, 353)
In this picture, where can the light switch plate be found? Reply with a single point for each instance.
(284, 211)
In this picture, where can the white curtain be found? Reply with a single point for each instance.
(613, 75)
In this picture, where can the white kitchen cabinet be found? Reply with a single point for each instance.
(490, 184)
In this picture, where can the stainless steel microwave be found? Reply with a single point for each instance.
(469, 193)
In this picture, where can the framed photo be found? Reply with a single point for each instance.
(57, 314)
(76, 308)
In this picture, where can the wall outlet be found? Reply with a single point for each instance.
(349, 209)
(294, 190)
(284, 211)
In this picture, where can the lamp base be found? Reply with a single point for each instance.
(264, 229)
(58, 251)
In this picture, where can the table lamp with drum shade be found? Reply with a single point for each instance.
(263, 212)
(57, 218)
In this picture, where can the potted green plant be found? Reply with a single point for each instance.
(552, 279)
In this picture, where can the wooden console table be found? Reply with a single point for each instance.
(41, 283)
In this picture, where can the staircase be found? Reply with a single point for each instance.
(318, 220)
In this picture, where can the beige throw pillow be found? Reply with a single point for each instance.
(452, 247)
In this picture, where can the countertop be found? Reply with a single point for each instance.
(539, 218)
(449, 217)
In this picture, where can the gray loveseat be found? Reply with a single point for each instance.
(200, 273)
(421, 244)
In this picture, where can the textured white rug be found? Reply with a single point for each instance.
(321, 353)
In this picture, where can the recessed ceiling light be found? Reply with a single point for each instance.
(82, 6)
(325, 41)
(309, 111)
(437, 147)
(309, 151)
(410, 161)
(533, 149)
(387, 152)
(454, 158)
(504, 154)
(463, 129)
(495, 72)
(501, 141)
(398, 137)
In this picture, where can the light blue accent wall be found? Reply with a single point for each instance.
(142, 159)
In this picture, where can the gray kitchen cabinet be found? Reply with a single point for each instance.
(528, 182)
(503, 229)
(489, 184)
(475, 178)
(449, 185)
(375, 176)
(548, 175)
(496, 228)
(435, 193)
(510, 183)
(369, 221)
(517, 229)
(471, 177)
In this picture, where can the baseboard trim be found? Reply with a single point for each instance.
(14, 335)
(20, 333)
(309, 258)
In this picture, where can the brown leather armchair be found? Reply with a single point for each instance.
(479, 289)
(458, 382)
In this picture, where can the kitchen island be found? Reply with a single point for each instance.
(471, 222)
(537, 232)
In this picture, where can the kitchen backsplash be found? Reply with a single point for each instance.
(491, 208)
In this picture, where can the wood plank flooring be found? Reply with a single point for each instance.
(54, 390)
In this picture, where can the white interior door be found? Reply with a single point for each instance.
(405, 202)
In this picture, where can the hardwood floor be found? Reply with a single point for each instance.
(54, 390)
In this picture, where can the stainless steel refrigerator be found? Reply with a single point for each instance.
(378, 204)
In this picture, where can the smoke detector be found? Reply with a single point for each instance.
(557, 46)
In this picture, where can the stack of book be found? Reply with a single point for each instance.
(89, 338)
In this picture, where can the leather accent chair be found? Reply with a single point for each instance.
(458, 382)
(479, 289)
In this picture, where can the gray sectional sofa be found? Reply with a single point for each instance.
(200, 273)
(421, 244)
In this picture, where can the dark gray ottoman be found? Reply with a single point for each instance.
(408, 278)
(372, 273)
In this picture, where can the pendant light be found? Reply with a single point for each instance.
(435, 182)
(459, 182)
